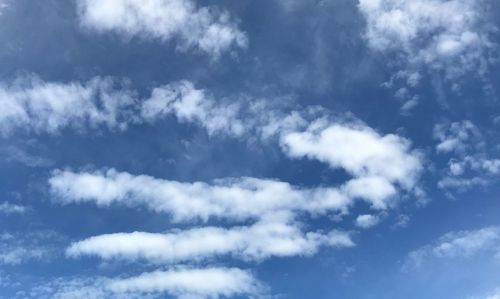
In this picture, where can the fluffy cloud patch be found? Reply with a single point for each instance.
(360, 151)
(452, 37)
(461, 244)
(469, 163)
(366, 221)
(208, 29)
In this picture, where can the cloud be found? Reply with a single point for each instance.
(3, 5)
(461, 244)
(47, 107)
(178, 282)
(20, 248)
(8, 208)
(262, 240)
(491, 295)
(196, 283)
(366, 221)
(450, 37)
(469, 163)
(232, 198)
(359, 150)
(207, 29)
(189, 104)
(382, 164)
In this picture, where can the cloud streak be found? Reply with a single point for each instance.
(262, 240)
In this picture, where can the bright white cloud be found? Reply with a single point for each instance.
(452, 37)
(264, 239)
(191, 283)
(230, 198)
(461, 244)
(236, 199)
(208, 29)
(359, 150)
(366, 221)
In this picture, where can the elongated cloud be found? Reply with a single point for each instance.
(208, 29)
(460, 244)
(264, 239)
(197, 283)
(177, 282)
(238, 199)
(34, 105)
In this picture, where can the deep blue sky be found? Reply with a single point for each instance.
(352, 61)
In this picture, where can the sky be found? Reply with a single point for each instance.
(250, 149)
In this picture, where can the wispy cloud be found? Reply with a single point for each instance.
(208, 29)
(460, 244)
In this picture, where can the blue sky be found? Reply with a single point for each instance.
(249, 149)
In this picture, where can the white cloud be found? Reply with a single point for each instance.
(178, 282)
(381, 163)
(366, 221)
(235, 199)
(461, 244)
(452, 37)
(195, 283)
(189, 104)
(359, 150)
(469, 163)
(8, 208)
(262, 240)
(208, 29)
(32, 104)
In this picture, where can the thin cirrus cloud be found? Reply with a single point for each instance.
(208, 29)
(453, 245)
(451, 37)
